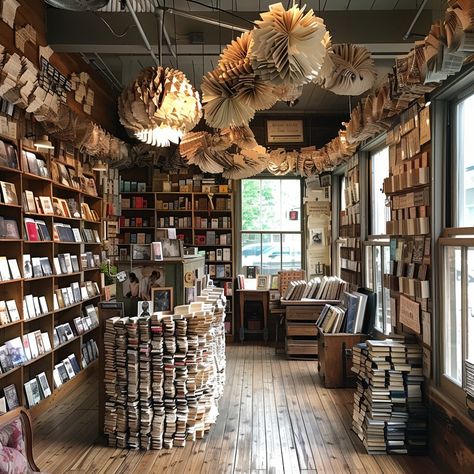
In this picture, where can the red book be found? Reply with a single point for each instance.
(32, 230)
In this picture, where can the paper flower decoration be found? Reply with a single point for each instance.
(288, 45)
(222, 105)
(354, 70)
(287, 92)
(243, 136)
(237, 51)
(159, 106)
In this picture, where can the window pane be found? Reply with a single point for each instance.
(251, 250)
(378, 287)
(386, 291)
(271, 204)
(379, 211)
(452, 310)
(465, 145)
(369, 264)
(470, 305)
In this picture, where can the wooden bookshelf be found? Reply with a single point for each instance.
(17, 289)
(349, 227)
(203, 219)
(408, 187)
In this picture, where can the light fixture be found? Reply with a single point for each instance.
(159, 106)
(100, 166)
(43, 143)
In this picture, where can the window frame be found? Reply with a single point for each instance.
(240, 231)
(444, 197)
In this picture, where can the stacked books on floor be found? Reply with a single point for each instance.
(389, 415)
(325, 288)
(164, 374)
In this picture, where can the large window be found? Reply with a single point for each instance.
(376, 248)
(457, 253)
(465, 162)
(271, 224)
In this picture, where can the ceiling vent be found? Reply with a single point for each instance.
(78, 5)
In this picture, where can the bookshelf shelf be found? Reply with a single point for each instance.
(191, 203)
(42, 188)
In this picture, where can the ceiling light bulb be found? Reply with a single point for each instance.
(43, 143)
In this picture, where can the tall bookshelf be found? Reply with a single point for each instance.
(408, 187)
(349, 227)
(45, 286)
(199, 208)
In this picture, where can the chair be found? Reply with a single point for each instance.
(16, 442)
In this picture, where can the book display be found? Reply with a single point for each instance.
(164, 374)
(389, 415)
(408, 187)
(185, 206)
(51, 250)
(349, 227)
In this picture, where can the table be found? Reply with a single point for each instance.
(253, 295)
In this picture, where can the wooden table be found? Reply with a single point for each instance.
(258, 296)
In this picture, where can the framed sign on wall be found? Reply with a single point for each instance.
(284, 131)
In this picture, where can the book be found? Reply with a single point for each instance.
(11, 396)
(16, 351)
(4, 317)
(14, 269)
(46, 205)
(13, 310)
(31, 229)
(30, 202)
(5, 360)
(43, 385)
(8, 193)
(27, 266)
(5, 274)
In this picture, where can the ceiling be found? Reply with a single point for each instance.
(110, 40)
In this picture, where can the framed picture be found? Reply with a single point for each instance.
(274, 282)
(172, 248)
(162, 298)
(263, 282)
(145, 308)
(284, 131)
(251, 271)
(141, 252)
(156, 251)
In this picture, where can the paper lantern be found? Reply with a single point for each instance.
(288, 45)
(159, 106)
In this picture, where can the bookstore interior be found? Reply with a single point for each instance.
(236, 236)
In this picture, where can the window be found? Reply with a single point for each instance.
(457, 254)
(377, 247)
(379, 212)
(271, 224)
(465, 162)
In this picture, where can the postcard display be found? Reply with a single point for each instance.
(349, 227)
(389, 411)
(50, 285)
(318, 223)
(199, 209)
(164, 374)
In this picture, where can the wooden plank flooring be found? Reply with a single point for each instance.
(275, 417)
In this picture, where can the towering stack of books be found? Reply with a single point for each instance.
(389, 415)
(164, 374)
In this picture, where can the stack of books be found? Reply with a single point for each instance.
(389, 415)
(164, 374)
(326, 288)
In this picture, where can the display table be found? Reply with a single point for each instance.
(261, 296)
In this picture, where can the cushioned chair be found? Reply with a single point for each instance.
(16, 443)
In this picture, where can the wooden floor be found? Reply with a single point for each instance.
(274, 417)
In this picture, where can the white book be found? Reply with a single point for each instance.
(46, 341)
(43, 384)
(56, 378)
(4, 269)
(360, 311)
(31, 306)
(33, 346)
(14, 269)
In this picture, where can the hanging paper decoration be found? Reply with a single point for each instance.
(353, 72)
(159, 106)
(243, 136)
(288, 45)
(222, 104)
